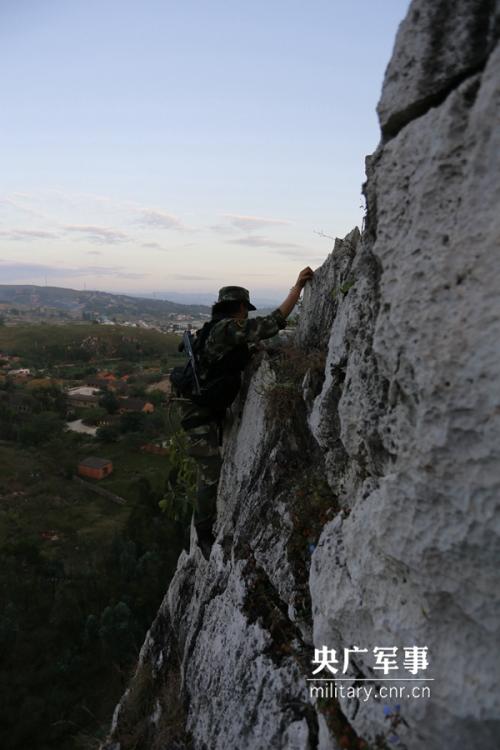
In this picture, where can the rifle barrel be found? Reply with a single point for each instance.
(189, 349)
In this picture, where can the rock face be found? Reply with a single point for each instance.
(358, 505)
(438, 45)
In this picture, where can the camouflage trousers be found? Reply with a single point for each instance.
(203, 447)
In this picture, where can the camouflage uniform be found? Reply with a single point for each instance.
(203, 446)
(231, 332)
(198, 422)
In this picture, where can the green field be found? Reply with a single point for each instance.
(46, 345)
(34, 499)
(128, 467)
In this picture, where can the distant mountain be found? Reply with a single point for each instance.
(208, 298)
(81, 304)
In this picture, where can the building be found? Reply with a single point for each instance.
(120, 388)
(106, 375)
(105, 383)
(82, 390)
(135, 404)
(94, 382)
(95, 468)
(158, 450)
(85, 402)
(83, 396)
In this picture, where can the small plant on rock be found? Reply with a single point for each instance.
(290, 366)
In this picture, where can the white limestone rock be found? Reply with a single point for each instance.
(437, 46)
(323, 292)
(417, 559)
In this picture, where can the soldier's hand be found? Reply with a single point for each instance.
(305, 275)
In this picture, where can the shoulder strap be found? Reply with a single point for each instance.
(202, 335)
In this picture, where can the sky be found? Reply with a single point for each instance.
(177, 146)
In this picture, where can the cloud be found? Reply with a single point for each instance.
(102, 213)
(16, 206)
(287, 249)
(94, 252)
(300, 254)
(111, 271)
(249, 223)
(101, 235)
(18, 272)
(155, 246)
(188, 277)
(242, 223)
(223, 229)
(162, 219)
(27, 234)
(256, 240)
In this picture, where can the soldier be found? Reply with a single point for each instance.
(224, 347)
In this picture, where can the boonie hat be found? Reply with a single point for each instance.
(235, 294)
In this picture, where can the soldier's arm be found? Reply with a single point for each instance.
(261, 327)
(289, 303)
(264, 327)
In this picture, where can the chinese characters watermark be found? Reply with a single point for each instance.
(415, 659)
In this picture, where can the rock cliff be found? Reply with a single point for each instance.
(358, 504)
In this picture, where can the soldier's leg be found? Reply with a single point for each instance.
(203, 446)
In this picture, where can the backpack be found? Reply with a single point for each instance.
(219, 381)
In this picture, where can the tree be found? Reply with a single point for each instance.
(109, 402)
(155, 397)
(108, 434)
(154, 424)
(91, 632)
(50, 398)
(118, 631)
(93, 415)
(132, 421)
(40, 428)
(138, 391)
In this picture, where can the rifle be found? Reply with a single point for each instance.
(188, 348)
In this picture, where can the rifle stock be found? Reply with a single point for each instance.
(188, 348)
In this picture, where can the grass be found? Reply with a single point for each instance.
(56, 344)
(342, 289)
(128, 465)
(148, 692)
(311, 504)
(47, 502)
(290, 366)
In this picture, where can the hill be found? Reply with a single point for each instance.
(84, 304)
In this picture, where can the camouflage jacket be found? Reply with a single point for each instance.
(229, 333)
